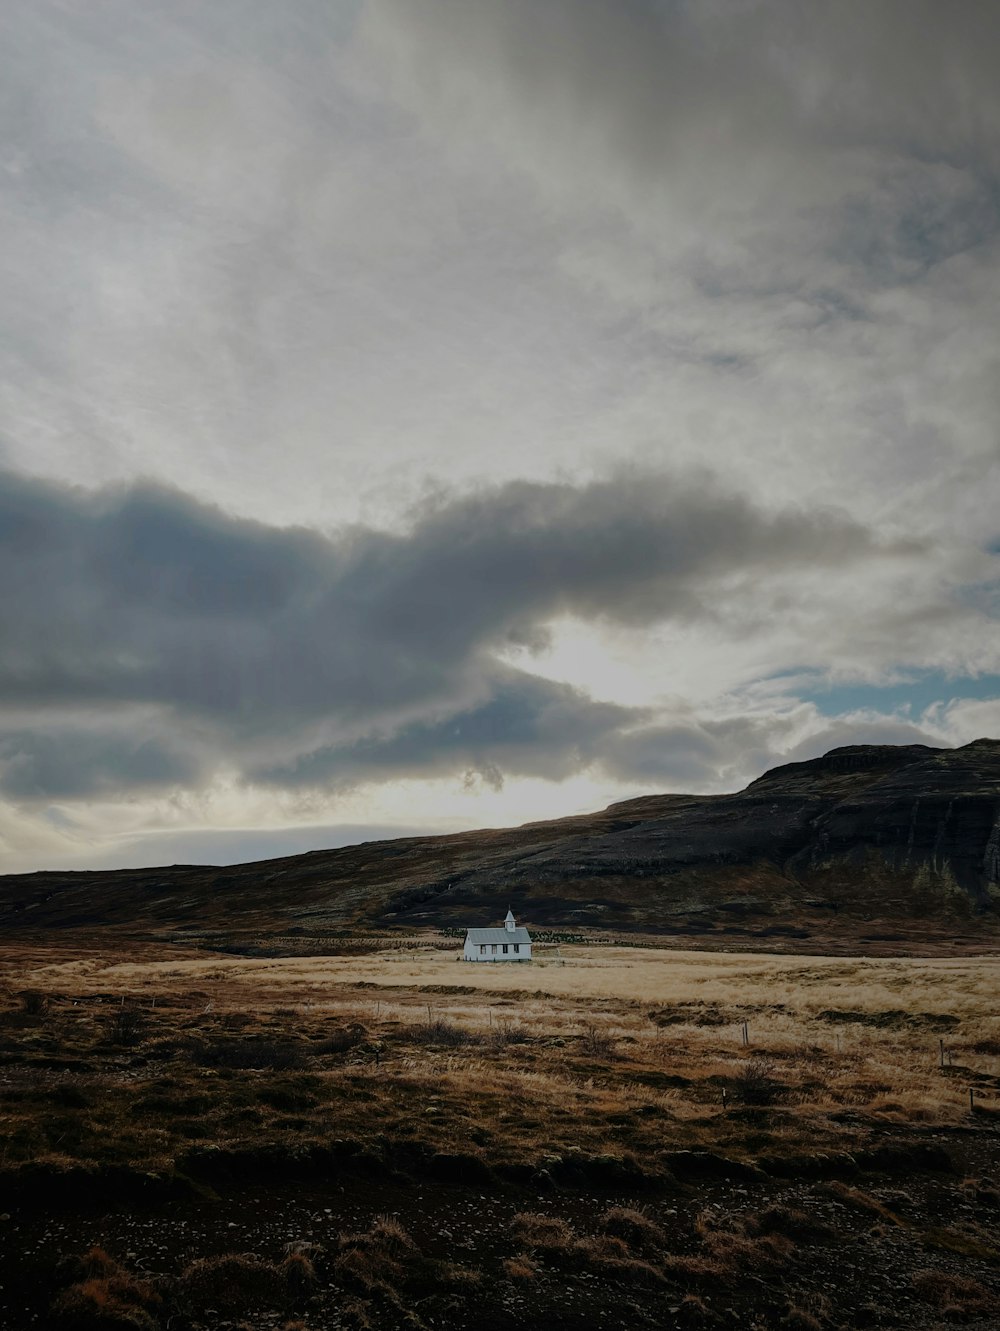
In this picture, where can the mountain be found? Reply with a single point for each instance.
(871, 847)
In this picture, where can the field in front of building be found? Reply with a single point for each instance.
(607, 1136)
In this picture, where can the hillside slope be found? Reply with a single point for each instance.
(868, 846)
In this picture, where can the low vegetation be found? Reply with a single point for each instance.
(619, 1140)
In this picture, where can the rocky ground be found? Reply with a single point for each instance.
(898, 1247)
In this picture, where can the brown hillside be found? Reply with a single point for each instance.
(872, 848)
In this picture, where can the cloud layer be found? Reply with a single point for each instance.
(153, 641)
(479, 410)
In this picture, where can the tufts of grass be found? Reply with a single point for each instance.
(800, 1319)
(244, 1283)
(640, 1233)
(957, 1298)
(941, 1239)
(374, 1261)
(860, 1201)
(105, 1297)
(791, 1222)
(554, 1240)
(389, 1276)
(520, 1267)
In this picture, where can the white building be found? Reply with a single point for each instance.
(511, 943)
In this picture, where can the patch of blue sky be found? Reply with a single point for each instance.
(911, 694)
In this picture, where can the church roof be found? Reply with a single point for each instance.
(518, 935)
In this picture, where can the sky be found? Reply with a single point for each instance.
(426, 414)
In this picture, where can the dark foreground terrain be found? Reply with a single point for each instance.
(875, 849)
(195, 1142)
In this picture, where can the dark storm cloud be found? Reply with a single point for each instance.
(300, 659)
(527, 727)
(73, 762)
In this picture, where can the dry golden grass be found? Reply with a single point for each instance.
(965, 986)
(589, 1053)
(705, 1104)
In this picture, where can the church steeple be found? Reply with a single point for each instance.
(508, 923)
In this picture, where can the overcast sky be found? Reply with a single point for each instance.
(418, 414)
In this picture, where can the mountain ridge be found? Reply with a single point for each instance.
(863, 843)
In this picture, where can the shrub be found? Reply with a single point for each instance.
(504, 1033)
(755, 1085)
(444, 1032)
(126, 1025)
(597, 1043)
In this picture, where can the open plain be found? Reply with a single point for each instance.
(387, 1137)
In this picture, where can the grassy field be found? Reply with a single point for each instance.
(611, 1136)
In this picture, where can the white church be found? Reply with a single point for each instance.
(511, 943)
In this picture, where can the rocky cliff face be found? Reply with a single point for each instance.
(866, 845)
